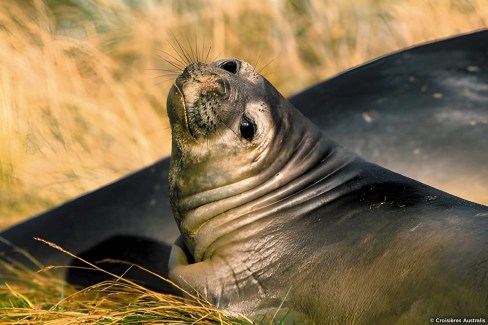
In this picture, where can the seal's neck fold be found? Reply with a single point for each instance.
(305, 157)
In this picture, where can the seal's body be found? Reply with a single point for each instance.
(274, 214)
(421, 112)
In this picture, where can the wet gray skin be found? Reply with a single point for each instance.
(275, 215)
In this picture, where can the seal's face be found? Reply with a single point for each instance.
(235, 139)
(206, 98)
(224, 119)
(211, 103)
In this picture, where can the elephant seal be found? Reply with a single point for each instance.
(395, 121)
(277, 218)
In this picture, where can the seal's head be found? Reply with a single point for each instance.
(219, 111)
(233, 134)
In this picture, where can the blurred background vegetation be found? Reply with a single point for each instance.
(82, 86)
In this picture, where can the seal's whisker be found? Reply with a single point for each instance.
(173, 76)
(192, 52)
(157, 69)
(165, 80)
(174, 68)
(214, 58)
(197, 53)
(180, 52)
(268, 74)
(183, 53)
(267, 65)
(175, 62)
(189, 50)
(202, 52)
(219, 120)
(178, 67)
(166, 71)
(220, 134)
(179, 57)
(257, 62)
(208, 53)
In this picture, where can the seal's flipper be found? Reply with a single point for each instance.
(135, 207)
(422, 112)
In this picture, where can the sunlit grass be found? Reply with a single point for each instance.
(29, 297)
(82, 84)
(108, 302)
(70, 117)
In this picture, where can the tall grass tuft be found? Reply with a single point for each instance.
(29, 297)
(109, 302)
(76, 108)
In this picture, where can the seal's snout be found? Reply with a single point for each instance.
(203, 77)
(215, 86)
(191, 71)
(200, 93)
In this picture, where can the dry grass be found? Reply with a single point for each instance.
(71, 117)
(28, 297)
(81, 105)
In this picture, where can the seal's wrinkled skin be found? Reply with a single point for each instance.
(275, 215)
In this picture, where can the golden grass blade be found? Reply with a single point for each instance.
(33, 297)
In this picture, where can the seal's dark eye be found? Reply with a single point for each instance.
(248, 128)
(231, 66)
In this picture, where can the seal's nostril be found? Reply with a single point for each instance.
(231, 66)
